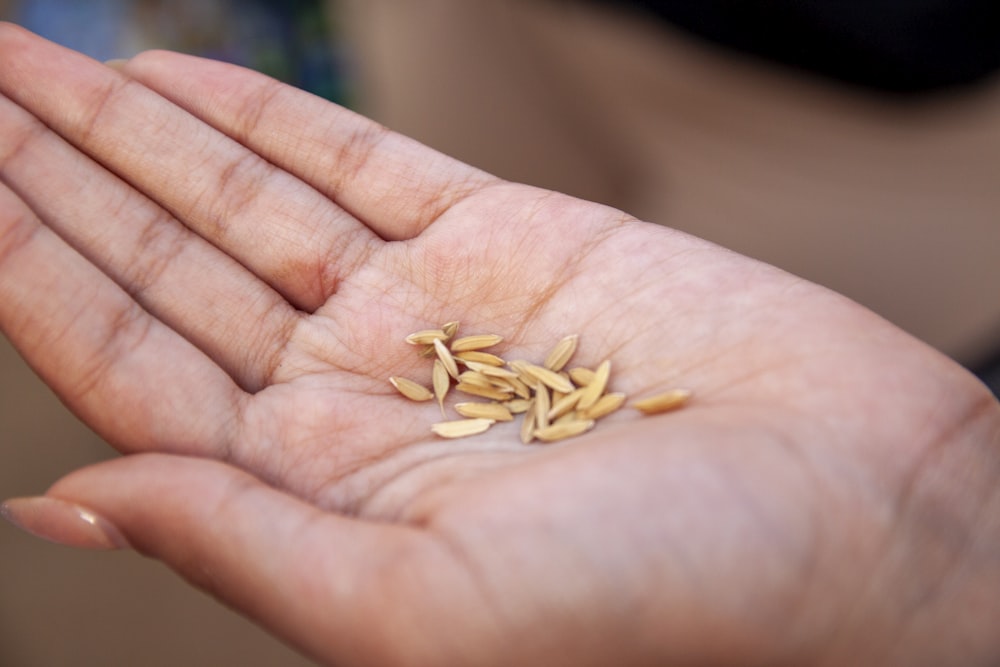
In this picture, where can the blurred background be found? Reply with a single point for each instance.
(845, 151)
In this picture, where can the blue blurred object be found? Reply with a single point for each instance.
(290, 40)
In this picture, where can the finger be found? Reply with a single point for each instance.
(123, 372)
(280, 228)
(394, 184)
(329, 584)
(193, 287)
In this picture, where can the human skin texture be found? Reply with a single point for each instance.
(216, 273)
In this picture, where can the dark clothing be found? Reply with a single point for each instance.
(891, 45)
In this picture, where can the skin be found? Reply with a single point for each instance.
(216, 272)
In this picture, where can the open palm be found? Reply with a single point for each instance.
(217, 273)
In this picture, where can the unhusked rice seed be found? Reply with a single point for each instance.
(596, 387)
(564, 430)
(482, 392)
(461, 428)
(561, 353)
(604, 406)
(477, 342)
(410, 389)
(518, 405)
(480, 357)
(554, 404)
(580, 376)
(445, 356)
(441, 381)
(550, 378)
(668, 400)
(494, 411)
(426, 337)
(450, 329)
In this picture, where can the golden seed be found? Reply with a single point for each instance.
(475, 377)
(441, 381)
(410, 389)
(565, 404)
(581, 377)
(564, 430)
(604, 406)
(450, 329)
(528, 425)
(550, 378)
(520, 389)
(477, 342)
(668, 400)
(517, 406)
(596, 388)
(568, 417)
(445, 356)
(542, 405)
(494, 411)
(461, 428)
(491, 371)
(561, 353)
(483, 392)
(426, 336)
(480, 357)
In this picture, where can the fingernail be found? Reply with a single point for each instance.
(63, 523)
(117, 63)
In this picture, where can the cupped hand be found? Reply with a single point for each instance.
(217, 271)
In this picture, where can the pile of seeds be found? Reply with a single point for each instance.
(555, 403)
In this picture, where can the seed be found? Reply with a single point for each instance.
(477, 342)
(568, 417)
(518, 405)
(596, 387)
(581, 376)
(520, 389)
(426, 336)
(494, 411)
(668, 400)
(450, 329)
(483, 392)
(410, 389)
(442, 382)
(528, 425)
(475, 377)
(565, 404)
(542, 406)
(480, 357)
(461, 428)
(445, 356)
(564, 430)
(604, 406)
(561, 353)
(550, 378)
(491, 371)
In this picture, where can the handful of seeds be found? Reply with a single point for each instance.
(555, 403)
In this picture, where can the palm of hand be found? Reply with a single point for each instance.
(280, 359)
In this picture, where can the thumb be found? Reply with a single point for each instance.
(307, 575)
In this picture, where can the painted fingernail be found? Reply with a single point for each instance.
(63, 522)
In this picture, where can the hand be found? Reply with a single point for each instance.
(216, 272)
